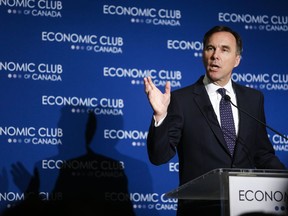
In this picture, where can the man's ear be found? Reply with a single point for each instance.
(237, 60)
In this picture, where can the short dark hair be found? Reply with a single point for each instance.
(224, 29)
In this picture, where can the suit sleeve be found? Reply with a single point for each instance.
(163, 140)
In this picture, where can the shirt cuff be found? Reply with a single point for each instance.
(157, 124)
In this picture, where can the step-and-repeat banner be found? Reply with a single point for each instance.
(73, 113)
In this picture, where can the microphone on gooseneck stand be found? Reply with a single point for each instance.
(227, 98)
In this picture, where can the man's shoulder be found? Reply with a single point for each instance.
(194, 87)
(189, 90)
(239, 88)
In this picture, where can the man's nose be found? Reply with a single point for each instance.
(215, 54)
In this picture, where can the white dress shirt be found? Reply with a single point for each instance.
(215, 98)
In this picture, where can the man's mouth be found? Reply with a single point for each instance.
(214, 66)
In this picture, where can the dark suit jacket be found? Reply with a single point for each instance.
(191, 129)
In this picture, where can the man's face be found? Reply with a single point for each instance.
(220, 57)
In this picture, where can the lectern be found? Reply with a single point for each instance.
(240, 191)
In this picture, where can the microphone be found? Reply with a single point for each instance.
(227, 98)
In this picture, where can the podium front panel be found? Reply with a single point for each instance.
(258, 194)
(241, 191)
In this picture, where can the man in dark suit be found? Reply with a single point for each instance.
(187, 121)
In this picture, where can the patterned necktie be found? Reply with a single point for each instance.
(227, 121)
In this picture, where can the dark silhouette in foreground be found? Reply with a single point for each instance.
(88, 184)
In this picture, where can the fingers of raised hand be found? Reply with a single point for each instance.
(148, 84)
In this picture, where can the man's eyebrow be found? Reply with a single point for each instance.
(226, 46)
(221, 46)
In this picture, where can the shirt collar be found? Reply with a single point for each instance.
(212, 87)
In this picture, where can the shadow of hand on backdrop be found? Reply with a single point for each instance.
(22, 177)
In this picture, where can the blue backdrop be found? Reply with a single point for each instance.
(61, 59)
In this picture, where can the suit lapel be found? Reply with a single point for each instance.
(243, 121)
(205, 106)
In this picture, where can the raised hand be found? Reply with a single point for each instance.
(159, 101)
